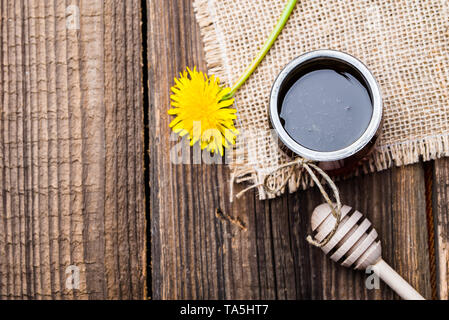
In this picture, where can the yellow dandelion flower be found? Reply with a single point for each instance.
(203, 111)
(202, 106)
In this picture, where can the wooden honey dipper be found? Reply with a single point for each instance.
(353, 245)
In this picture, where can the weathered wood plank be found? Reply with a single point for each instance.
(196, 252)
(393, 200)
(441, 220)
(199, 253)
(71, 151)
(409, 239)
(181, 217)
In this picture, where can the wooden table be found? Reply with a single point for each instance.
(81, 101)
(199, 252)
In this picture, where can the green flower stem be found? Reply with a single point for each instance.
(267, 46)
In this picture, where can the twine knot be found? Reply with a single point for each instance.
(271, 185)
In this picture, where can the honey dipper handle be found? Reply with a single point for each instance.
(395, 281)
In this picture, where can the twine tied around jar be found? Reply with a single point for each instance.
(309, 166)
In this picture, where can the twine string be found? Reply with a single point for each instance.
(303, 164)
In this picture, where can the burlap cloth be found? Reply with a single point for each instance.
(404, 43)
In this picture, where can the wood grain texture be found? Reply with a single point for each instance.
(441, 220)
(71, 177)
(71, 168)
(394, 202)
(201, 253)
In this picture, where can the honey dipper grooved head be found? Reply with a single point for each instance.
(354, 244)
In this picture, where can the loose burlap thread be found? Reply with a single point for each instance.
(404, 43)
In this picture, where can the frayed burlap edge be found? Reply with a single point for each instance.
(384, 157)
(213, 42)
(400, 154)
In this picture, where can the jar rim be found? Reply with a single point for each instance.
(372, 86)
